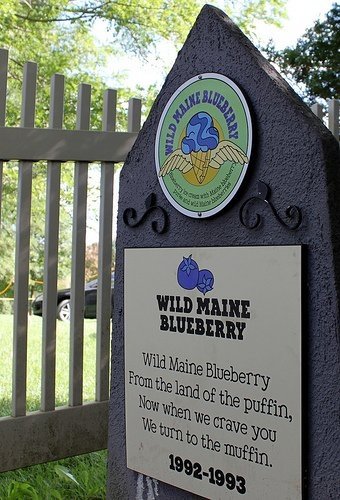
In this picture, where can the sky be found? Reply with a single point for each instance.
(301, 15)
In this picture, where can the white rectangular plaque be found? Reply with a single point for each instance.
(213, 369)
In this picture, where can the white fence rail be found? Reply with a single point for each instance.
(54, 433)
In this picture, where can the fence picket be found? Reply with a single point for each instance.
(3, 85)
(3, 96)
(333, 117)
(51, 254)
(21, 282)
(317, 110)
(78, 253)
(134, 115)
(104, 305)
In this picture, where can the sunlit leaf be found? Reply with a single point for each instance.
(65, 473)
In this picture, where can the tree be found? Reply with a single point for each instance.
(138, 23)
(247, 13)
(314, 61)
(55, 47)
(135, 24)
(57, 35)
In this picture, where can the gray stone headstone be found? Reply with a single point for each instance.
(297, 157)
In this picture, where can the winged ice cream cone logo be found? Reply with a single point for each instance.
(201, 150)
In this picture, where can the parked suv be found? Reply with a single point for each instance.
(64, 301)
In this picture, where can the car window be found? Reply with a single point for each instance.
(92, 284)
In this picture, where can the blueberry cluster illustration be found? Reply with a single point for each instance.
(189, 276)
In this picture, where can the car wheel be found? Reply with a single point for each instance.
(64, 310)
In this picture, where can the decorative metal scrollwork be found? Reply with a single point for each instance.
(293, 216)
(130, 216)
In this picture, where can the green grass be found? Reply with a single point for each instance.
(34, 363)
(82, 477)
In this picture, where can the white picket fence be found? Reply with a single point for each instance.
(332, 114)
(57, 432)
(53, 433)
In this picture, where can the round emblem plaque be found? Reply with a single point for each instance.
(203, 145)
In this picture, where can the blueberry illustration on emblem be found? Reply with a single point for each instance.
(187, 273)
(205, 281)
(189, 276)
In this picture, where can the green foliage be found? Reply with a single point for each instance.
(56, 47)
(137, 24)
(21, 490)
(6, 306)
(314, 61)
(65, 473)
(82, 477)
(9, 213)
(247, 13)
(134, 25)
